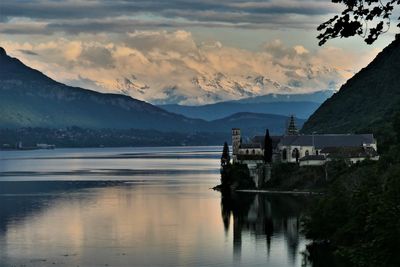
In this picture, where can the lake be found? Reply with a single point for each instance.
(138, 207)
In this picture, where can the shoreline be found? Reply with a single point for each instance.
(278, 192)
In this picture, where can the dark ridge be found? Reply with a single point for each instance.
(2, 51)
(366, 102)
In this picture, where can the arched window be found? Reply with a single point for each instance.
(307, 153)
(294, 153)
(254, 152)
(247, 151)
(284, 154)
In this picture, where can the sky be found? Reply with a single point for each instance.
(183, 51)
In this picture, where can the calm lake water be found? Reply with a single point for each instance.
(138, 207)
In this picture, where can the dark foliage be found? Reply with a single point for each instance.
(396, 126)
(367, 18)
(289, 176)
(360, 215)
(225, 158)
(235, 177)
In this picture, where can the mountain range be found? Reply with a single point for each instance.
(300, 105)
(31, 99)
(28, 98)
(366, 102)
(211, 86)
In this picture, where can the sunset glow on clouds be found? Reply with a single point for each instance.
(188, 52)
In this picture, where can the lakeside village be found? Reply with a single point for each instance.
(252, 162)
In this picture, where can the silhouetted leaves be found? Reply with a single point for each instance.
(360, 17)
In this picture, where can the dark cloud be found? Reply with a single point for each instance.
(97, 56)
(122, 15)
(28, 52)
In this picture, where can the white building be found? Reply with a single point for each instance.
(305, 149)
(355, 147)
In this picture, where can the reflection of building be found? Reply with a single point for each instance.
(313, 149)
(265, 217)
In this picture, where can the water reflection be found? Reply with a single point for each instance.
(155, 217)
(264, 216)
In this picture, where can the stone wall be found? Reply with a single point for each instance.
(260, 174)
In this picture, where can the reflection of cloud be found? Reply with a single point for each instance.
(150, 226)
(170, 66)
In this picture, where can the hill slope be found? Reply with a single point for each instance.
(303, 105)
(255, 123)
(28, 98)
(315, 97)
(366, 102)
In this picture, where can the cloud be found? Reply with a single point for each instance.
(96, 56)
(72, 50)
(170, 66)
(79, 16)
(28, 52)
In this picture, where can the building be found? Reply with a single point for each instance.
(251, 154)
(307, 150)
(247, 153)
(346, 146)
(351, 154)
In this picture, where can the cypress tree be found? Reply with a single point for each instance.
(225, 158)
(267, 148)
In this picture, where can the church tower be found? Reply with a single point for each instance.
(236, 139)
(292, 130)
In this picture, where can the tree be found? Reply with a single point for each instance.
(225, 158)
(396, 126)
(366, 18)
(267, 148)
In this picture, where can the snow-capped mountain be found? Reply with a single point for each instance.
(207, 89)
(131, 86)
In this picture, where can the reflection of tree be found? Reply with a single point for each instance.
(263, 216)
(237, 206)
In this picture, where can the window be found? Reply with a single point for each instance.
(254, 152)
(295, 152)
(307, 153)
(247, 151)
(284, 154)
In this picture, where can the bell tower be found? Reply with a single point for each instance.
(292, 129)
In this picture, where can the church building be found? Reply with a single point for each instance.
(314, 149)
